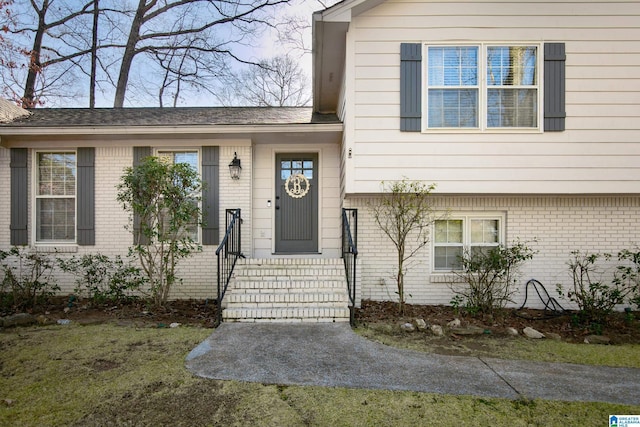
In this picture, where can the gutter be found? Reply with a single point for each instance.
(159, 130)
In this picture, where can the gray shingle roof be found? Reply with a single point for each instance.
(181, 116)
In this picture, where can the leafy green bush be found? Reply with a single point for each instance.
(27, 279)
(628, 276)
(165, 197)
(490, 277)
(595, 296)
(103, 279)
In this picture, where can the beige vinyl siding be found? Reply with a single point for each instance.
(598, 153)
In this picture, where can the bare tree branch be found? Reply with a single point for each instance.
(244, 17)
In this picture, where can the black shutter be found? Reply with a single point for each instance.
(410, 87)
(19, 197)
(554, 87)
(86, 196)
(139, 153)
(210, 195)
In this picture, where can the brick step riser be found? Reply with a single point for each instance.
(288, 297)
(240, 272)
(288, 290)
(303, 287)
(310, 314)
(293, 262)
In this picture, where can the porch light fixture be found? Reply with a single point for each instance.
(234, 167)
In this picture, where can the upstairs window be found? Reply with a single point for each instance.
(452, 87)
(512, 91)
(482, 87)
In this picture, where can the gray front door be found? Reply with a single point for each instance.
(296, 203)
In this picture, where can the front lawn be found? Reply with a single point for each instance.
(110, 375)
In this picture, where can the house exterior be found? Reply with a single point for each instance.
(526, 116)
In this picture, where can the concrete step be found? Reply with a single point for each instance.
(287, 298)
(287, 290)
(287, 314)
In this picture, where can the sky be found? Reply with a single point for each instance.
(267, 46)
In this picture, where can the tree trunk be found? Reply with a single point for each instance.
(94, 54)
(129, 53)
(400, 278)
(28, 99)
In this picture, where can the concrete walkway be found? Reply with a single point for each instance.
(333, 355)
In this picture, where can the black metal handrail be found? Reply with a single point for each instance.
(350, 255)
(228, 253)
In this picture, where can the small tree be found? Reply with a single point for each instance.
(405, 214)
(165, 198)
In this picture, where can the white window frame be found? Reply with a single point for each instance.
(157, 152)
(36, 196)
(467, 218)
(483, 89)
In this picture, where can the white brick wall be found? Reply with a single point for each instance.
(559, 224)
(198, 272)
(111, 236)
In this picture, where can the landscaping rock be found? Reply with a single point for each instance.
(597, 339)
(420, 324)
(468, 330)
(532, 333)
(437, 330)
(19, 319)
(513, 332)
(408, 327)
(44, 320)
(455, 323)
(175, 325)
(553, 336)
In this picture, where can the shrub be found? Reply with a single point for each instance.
(490, 277)
(165, 197)
(103, 279)
(596, 297)
(27, 279)
(628, 275)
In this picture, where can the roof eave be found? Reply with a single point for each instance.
(159, 130)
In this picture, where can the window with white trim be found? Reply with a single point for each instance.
(189, 157)
(464, 233)
(482, 87)
(55, 197)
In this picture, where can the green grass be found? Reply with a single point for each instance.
(519, 348)
(109, 375)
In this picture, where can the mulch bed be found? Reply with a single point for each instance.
(620, 327)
